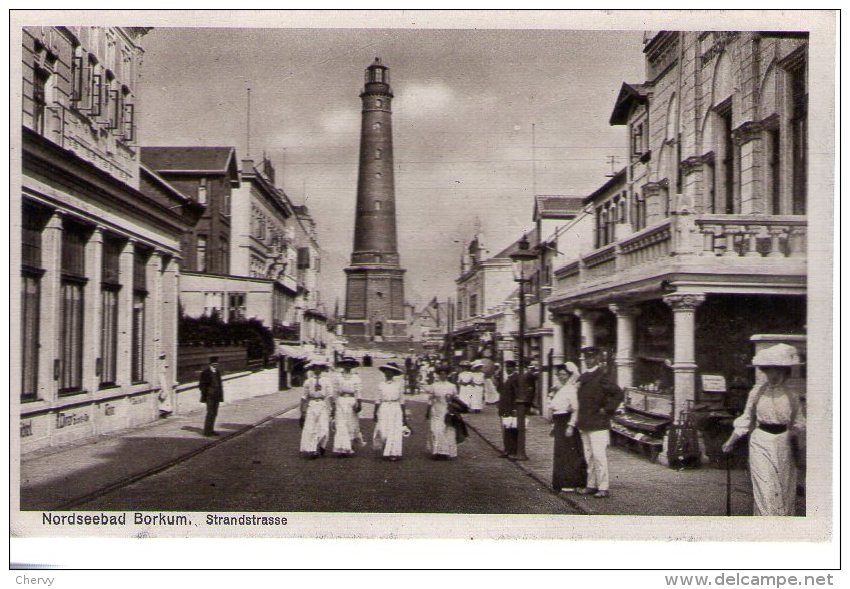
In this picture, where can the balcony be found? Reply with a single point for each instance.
(736, 245)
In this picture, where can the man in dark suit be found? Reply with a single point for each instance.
(598, 398)
(507, 408)
(212, 393)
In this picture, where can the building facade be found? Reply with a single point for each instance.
(701, 241)
(99, 257)
(374, 300)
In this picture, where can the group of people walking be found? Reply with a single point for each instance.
(334, 402)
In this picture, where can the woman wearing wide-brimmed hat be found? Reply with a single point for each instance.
(389, 412)
(442, 440)
(347, 403)
(465, 382)
(315, 410)
(476, 391)
(775, 419)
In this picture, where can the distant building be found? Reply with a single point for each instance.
(100, 242)
(430, 324)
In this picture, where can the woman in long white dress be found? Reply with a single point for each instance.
(315, 411)
(442, 442)
(465, 383)
(476, 403)
(347, 401)
(389, 410)
(773, 417)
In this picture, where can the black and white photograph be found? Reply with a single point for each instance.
(446, 275)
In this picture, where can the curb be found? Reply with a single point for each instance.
(173, 462)
(530, 473)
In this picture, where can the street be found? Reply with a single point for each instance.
(261, 470)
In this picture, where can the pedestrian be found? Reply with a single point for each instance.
(166, 387)
(598, 398)
(442, 441)
(490, 370)
(389, 413)
(775, 420)
(569, 471)
(477, 388)
(347, 406)
(507, 409)
(316, 410)
(465, 382)
(212, 394)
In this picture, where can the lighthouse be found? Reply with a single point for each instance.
(374, 298)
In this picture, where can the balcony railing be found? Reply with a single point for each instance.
(726, 236)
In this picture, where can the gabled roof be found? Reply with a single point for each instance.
(206, 160)
(547, 206)
(630, 94)
(533, 240)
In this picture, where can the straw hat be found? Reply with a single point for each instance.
(391, 367)
(348, 361)
(777, 355)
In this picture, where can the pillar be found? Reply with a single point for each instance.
(123, 374)
(557, 339)
(92, 325)
(588, 321)
(749, 138)
(50, 308)
(684, 349)
(625, 359)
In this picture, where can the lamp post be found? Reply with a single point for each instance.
(522, 259)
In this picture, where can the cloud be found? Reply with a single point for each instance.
(341, 121)
(424, 100)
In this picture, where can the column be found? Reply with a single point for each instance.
(92, 331)
(748, 139)
(153, 316)
(557, 339)
(684, 358)
(625, 359)
(123, 374)
(588, 320)
(50, 308)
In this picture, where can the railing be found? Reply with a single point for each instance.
(729, 236)
(753, 235)
(601, 263)
(648, 245)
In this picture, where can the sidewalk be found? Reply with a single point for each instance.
(638, 486)
(61, 477)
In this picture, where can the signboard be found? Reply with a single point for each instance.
(713, 383)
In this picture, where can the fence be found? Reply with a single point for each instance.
(192, 359)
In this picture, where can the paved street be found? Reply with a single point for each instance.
(262, 471)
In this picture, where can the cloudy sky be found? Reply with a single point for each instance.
(465, 102)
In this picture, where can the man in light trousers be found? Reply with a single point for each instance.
(598, 398)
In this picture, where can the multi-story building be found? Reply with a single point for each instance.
(99, 257)
(309, 264)
(700, 241)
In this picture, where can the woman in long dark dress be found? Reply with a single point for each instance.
(569, 471)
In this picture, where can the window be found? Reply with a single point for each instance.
(378, 154)
(225, 204)
(473, 305)
(236, 310)
(140, 293)
(638, 213)
(201, 254)
(774, 164)
(126, 126)
(78, 81)
(377, 205)
(638, 139)
(202, 191)
(224, 256)
(379, 103)
(30, 301)
(376, 125)
(799, 137)
(41, 87)
(110, 287)
(460, 309)
(724, 178)
(95, 95)
(73, 281)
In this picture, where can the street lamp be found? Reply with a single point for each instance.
(523, 267)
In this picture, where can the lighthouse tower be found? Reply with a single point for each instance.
(374, 299)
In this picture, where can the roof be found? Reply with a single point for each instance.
(164, 185)
(630, 94)
(533, 240)
(557, 207)
(208, 160)
(618, 178)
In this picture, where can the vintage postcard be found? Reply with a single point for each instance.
(536, 275)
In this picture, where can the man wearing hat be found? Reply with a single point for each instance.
(212, 393)
(507, 408)
(598, 398)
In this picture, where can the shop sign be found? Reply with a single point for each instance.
(713, 383)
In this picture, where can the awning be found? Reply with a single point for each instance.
(291, 351)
